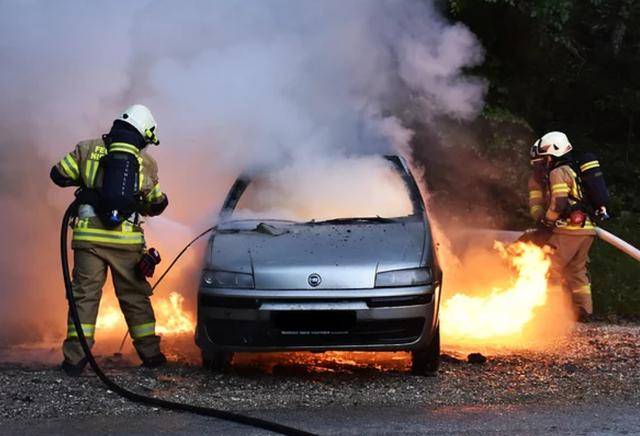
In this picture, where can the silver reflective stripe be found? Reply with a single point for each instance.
(86, 211)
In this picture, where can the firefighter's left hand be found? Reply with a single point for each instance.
(544, 223)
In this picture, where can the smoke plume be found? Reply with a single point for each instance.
(235, 86)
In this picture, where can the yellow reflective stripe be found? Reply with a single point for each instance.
(142, 330)
(107, 240)
(94, 172)
(155, 193)
(70, 167)
(535, 194)
(87, 329)
(589, 165)
(583, 290)
(90, 172)
(140, 174)
(560, 188)
(87, 173)
(108, 236)
(72, 162)
(123, 146)
(110, 232)
(127, 227)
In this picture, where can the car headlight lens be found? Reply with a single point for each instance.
(226, 279)
(404, 277)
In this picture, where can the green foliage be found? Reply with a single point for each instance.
(616, 276)
(554, 13)
(574, 66)
(501, 114)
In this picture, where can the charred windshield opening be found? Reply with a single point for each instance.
(373, 189)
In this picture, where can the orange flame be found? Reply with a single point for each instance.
(171, 317)
(499, 315)
(109, 318)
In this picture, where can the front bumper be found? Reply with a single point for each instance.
(383, 319)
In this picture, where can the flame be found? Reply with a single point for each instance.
(329, 361)
(499, 315)
(109, 318)
(171, 317)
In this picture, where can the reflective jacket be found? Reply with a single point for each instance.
(82, 168)
(554, 200)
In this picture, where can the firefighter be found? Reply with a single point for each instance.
(121, 249)
(557, 204)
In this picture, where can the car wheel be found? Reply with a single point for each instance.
(217, 361)
(426, 361)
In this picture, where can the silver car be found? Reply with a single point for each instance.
(347, 283)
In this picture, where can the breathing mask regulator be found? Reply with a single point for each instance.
(151, 137)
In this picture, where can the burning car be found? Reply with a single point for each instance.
(292, 270)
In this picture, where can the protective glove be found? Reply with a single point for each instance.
(602, 214)
(147, 265)
(539, 236)
(87, 196)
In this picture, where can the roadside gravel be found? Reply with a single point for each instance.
(598, 362)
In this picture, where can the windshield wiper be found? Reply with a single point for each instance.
(370, 219)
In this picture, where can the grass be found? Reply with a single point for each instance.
(615, 276)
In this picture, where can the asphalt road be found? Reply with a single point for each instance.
(466, 420)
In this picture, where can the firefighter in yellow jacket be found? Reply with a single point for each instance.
(555, 199)
(98, 247)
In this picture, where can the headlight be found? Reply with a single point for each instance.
(404, 277)
(225, 279)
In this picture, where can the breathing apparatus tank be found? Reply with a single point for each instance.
(594, 188)
(119, 191)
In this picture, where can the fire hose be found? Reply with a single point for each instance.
(604, 235)
(618, 243)
(133, 396)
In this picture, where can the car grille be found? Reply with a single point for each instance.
(255, 303)
(314, 328)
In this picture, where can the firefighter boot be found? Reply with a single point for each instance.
(74, 370)
(154, 361)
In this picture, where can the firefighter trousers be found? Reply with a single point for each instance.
(569, 267)
(89, 275)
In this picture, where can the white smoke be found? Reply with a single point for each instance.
(234, 85)
(365, 186)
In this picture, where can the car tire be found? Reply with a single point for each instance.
(426, 361)
(217, 361)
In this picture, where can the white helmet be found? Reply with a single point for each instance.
(552, 144)
(140, 117)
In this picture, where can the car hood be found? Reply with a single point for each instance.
(345, 256)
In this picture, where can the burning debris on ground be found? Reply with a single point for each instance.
(477, 358)
(595, 363)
